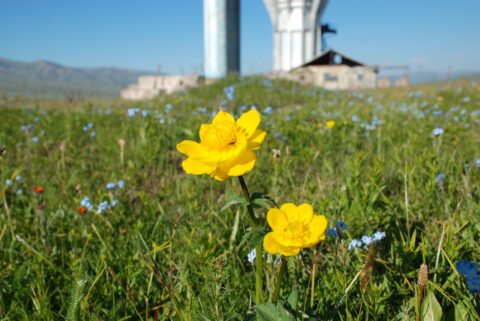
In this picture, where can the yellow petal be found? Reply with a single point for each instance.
(193, 166)
(290, 211)
(191, 148)
(249, 122)
(203, 131)
(273, 246)
(256, 139)
(219, 175)
(242, 164)
(318, 226)
(277, 219)
(222, 117)
(305, 213)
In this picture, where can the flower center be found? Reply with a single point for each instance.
(221, 136)
(297, 229)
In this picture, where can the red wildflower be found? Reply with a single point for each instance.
(82, 210)
(38, 189)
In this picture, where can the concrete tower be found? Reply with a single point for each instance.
(296, 31)
(221, 37)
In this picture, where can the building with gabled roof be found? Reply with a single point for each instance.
(334, 70)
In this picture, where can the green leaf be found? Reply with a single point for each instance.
(293, 298)
(271, 312)
(459, 313)
(262, 200)
(431, 309)
(235, 199)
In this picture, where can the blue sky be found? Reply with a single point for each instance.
(144, 34)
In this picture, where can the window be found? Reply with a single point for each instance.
(328, 77)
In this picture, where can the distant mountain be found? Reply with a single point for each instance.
(420, 77)
(47, 79)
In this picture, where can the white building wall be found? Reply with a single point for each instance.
(336, 76)
(295, 25)
(221, 37)
(150, 86)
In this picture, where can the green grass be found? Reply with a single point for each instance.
(167, 248)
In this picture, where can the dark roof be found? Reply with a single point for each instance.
(332, 57)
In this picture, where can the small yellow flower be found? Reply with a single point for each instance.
(226, 146)
(440, 98)
(294, 228)
(330, 123)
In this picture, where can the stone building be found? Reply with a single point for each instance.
(333, 70)
(150, 86)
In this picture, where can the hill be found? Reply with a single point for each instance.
(47, 79)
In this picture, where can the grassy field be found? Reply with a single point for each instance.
(158, 244)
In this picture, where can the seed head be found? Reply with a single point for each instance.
(423, 276)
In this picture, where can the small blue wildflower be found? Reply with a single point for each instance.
(114, 202)
(341, 225)
(437, 131)
(473, 284)
(121, 184)
(437, 113)
(268, 110)
(466, 99)
(378, 236)
(278, 135)
(19, 178)
(87, 127)
(8, 182)
(470, 271)
(110, 185)
(36, 119)
(355, 118)
(19, 191)
(35, 139)
(366, 240)
(103, 206)
(354, 244)
(332, 232)
(202, 110)
(229, 92)
(168, 108)
(467, 268)
(252, 256)
(145, 113)
(477, 162)
(253, 107)
(26, 128)
(85, 202)
(132, 112)
(440, 179)
(93, 134)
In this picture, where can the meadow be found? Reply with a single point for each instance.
(99, 221)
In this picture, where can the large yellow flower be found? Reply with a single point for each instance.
(294, 228)
(226, 146)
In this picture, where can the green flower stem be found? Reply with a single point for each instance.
(314, 271)
(258, 248)
(251, 213)
(278, 283)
